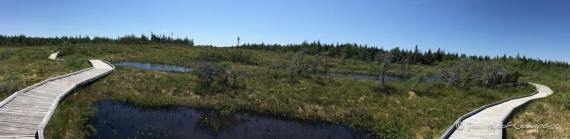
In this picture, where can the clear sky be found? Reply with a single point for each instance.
(535, 28)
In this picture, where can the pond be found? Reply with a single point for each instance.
(394, 79)
(152, 66)
(166, 67)
(120, 120)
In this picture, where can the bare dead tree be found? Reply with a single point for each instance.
(312, 65)
(430, 86)
(467, 73)
(379, 57)
(326, 54)
(302, 53)
(354, 62)
(235, 75)
(274, 63)
(288, 56)
(205, 70)
(403, 69)
(386, 57)
(296, 68)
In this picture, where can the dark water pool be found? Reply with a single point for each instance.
(119, 120)
(394, 79)
(152, 66)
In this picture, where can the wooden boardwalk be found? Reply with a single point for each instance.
(486, 121)
(26, 113)
(53, 55)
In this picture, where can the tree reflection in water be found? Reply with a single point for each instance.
(120, 120)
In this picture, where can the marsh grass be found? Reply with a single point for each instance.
(25, 66)
(391, 112)
(550, 110)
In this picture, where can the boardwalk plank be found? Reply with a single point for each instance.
(472, 135)
(32, 99)
(38, 108)
(19, 118)
(494, 115)
(23, 114)
(48, 88)
(39, 95)
(21, 130)
(21, 111)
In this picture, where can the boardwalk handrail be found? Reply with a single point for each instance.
(42, 125)
(15, 94)
(108, 63)
(5, 101)
(453, 127)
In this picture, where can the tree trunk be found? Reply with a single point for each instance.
(429, 88)
(465, 82)
(493, 83)
(315, 69)
(235, 78)
(378, 64)
(327, 63)
(384, 73)
(408, 69)
(226, 81)
(402, 70)
(502, 79)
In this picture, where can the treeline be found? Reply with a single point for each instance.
(344, 50)
(372, 53)
(22, 40)
(360, 52)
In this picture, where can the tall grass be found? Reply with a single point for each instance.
(548, 111)
(392, 112)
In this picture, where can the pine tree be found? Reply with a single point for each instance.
(416, 55)
(428, 58)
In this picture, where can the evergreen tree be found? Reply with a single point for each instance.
(428, 58)
(416, 55)
(346, 52)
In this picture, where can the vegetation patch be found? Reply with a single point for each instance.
(292, 81)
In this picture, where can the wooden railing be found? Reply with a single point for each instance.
(458, 122)
(42, 125)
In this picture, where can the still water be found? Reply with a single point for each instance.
(152, 66)
(120, 120)
(166, 67)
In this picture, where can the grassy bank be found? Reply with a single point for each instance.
(25, 66)
(396, 111)
(549, 111)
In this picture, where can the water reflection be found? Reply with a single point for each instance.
(152, 66)
(119, 120)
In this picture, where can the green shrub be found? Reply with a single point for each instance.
(566, 100)
(390, 129)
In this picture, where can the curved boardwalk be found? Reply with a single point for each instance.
(26, 113)
(486, 121)
(53, 55)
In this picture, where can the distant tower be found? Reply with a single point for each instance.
(238, 40)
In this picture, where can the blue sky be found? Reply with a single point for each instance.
(482, 27)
